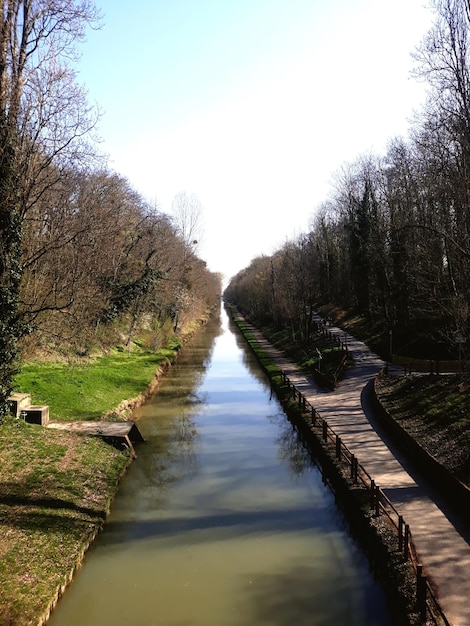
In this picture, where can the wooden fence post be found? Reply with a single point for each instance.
(406, 551)
(421, 582)
(400, 533)
(338, 447)
(325, 430)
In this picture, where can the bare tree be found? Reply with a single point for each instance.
(41, 119)
(187, 213)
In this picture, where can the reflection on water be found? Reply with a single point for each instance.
(222, 520)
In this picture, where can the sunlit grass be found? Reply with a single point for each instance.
(85, 391)
(55, 490)
(266, 361)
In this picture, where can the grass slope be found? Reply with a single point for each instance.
(56, 487)
(85, 391)
(435, 411)
(55, 491)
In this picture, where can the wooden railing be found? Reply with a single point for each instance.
(427, 605)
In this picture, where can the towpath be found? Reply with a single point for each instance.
(441, 538)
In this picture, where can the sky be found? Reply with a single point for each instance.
(251, 105)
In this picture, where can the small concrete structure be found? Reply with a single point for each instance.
(19, 402)
(20, 406)
(36, 414)
(118, 434)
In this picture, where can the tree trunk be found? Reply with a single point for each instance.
(11, 327)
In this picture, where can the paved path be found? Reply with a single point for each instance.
(441, 539)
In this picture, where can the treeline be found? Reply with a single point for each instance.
(82, 255)
(98, 262)
(392, 242)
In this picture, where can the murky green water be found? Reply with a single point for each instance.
(222, 519)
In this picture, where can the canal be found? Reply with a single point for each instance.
(223, 519)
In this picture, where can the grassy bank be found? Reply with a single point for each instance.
(434, 410)
(320, 355)
(55, 491)
(270, 367)
(89, 389)
(56, 487)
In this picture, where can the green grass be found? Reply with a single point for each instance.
(441, 399)
(55, 490)
(265, 360)
(435, 410)
(304, 354)
(86, 391)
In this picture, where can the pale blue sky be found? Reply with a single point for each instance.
(250, 104)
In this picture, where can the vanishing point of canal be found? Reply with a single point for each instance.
(223, 519)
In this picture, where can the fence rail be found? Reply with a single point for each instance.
(427, 605)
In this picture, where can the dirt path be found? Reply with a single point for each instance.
(440, 539)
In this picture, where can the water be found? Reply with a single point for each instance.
(223, 520)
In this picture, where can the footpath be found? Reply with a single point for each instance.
(442, 540)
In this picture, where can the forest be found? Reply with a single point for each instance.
(391, 243)
(84, 260)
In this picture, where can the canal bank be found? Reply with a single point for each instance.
(434, 549)
(223, 518)
(56, 488)
(125, 408)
